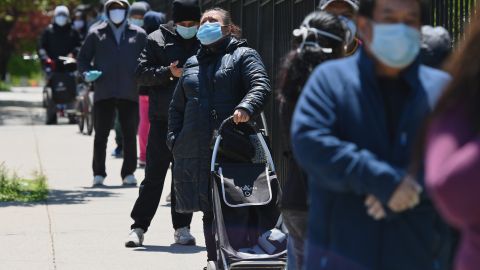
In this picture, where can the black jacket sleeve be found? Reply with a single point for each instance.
(175, 114)
(256, 83)
(42, 46)
(86, 53)
(151, 70)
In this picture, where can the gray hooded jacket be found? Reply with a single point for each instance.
(117, 61)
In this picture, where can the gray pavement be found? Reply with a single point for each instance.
(78, 227)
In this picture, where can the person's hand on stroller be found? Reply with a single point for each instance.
(240, 116)
(92, 75)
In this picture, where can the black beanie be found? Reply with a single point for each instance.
(186, 10)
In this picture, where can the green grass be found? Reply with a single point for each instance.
(15, 188)
(4, 87)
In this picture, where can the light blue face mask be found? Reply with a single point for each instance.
(187, 32)
(395, 45)
(210, 33)
(137, 22)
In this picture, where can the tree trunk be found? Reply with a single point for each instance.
(6, 48)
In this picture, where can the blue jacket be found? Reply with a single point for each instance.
(340, 138)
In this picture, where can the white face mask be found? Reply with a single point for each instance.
(78, 24)
(117, 16)
(61, 20)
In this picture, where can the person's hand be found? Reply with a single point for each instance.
(406, 196)
(92, 75)
(375, 208)
(176, 72)
(240, 116)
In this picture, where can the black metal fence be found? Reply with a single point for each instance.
(268, 24)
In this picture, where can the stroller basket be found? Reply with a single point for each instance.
(244, 199)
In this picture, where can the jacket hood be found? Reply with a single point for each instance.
(153, 20)
(169, 27)
(124, 3)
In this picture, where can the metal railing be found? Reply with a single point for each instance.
(268, 24)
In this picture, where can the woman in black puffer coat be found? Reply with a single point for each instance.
(224, 78)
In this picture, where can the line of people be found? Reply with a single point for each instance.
(354, 94)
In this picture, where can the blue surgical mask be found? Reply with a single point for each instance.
(61, 20)
(117, 16)
(137, 22)
(210, 33)
(395, 45)
(187, 32)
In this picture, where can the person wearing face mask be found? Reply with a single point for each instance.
(161, 65)
(137, 12)
(347, 9)
(353, 133)
(59, 39)
(79, 23)
(321, 37)
(225, 77)
(108, 59)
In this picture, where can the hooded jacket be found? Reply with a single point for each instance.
(164, 47)
(340, 137)
(117, 61)
(232, 76)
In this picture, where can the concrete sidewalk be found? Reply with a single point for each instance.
(80, 227)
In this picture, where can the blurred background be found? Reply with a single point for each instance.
(21, 24)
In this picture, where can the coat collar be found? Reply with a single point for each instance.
(368, 70)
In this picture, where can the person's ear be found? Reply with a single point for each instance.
(365, 29)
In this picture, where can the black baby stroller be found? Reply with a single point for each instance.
(248, 227)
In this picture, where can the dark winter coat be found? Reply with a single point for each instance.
(340, 137)
(235, 77)
(164, 47)
(117, 61)
(295, 182)
(58, 41)
(151, 22)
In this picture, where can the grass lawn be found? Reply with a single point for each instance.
(14, 188)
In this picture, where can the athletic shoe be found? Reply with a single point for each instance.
(183, 237)
(130, 180)
(118, 152)
(135, 238)
(98, 180)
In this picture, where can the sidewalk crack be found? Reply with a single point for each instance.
(47, 208)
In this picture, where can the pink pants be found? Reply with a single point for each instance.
(143, 128)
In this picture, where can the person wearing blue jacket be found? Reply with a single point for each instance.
(353, 133)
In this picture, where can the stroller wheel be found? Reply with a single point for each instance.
(211, 265)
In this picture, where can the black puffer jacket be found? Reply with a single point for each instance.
(232, 76)
(58, 41)
(164, 47)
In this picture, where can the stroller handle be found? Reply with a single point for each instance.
(260, 138)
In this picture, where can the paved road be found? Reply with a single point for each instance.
(78, 227)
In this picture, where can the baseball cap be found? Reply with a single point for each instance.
(354, 3)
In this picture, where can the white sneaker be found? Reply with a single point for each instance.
(135, 238)
(130, 180)
(212, 265)
(98, 180)
(183, 237)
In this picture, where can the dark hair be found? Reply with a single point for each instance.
(463, 90)
(236, 31)
(298, 64)
(368, 6)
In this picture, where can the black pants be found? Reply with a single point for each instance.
(159, 158)
(104, 113)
